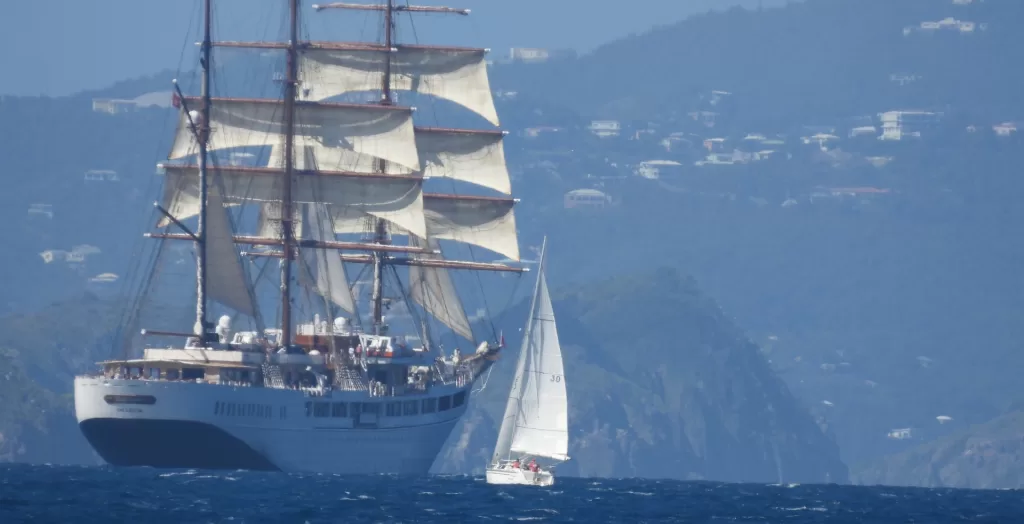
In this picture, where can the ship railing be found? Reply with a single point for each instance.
(458, 375)
(316, 392)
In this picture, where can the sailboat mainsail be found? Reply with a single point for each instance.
(536, 416)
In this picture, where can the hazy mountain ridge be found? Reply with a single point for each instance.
(984, 456)
(808, 61)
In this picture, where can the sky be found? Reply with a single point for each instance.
(59, 47)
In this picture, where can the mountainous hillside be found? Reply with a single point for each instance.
(40, 352)
(880, 276)
(809, 62)
(661, 384)
(986, 456)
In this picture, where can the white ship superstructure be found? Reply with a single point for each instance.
(347, 394)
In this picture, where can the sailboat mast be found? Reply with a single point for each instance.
(380, 229)
(287, 231)
(503, 446)
(200, 327)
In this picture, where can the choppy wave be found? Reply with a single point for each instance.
(69, 494)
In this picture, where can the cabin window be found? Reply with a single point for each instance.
(192, 373)
(129, 399)
(173, 374)
(370, 407)
(412, 407)
(216, 408)
(429, 405)
(231, 410)
(394, 409)
(153, 373)
(321, 409)
(339, 410)
(458, 399)
(444, 403)
(309, 409)
(284, 412)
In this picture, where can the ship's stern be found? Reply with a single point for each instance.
(153, 423)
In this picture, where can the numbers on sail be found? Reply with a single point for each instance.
(556, 378)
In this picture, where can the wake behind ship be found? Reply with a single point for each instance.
(350, 393)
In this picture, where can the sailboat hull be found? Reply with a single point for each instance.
(187, 425)
(518, 476)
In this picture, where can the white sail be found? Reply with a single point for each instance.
(378, 131)
(485, 222)
(330, 280)
(432, 288)
(269, 221)
(455, 74)
(226, 280)
(396, 199)
(536, 416)
(470, 156)
(477, 157)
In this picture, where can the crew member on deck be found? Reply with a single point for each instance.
(533, 465)
(515, 464)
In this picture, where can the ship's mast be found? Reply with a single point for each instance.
(380, 227)
(287, 231)
(201, 327)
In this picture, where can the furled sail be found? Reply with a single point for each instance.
(455, 74)
(226, 280)
(375, 130)
(482, 221)
(433, 289)
(477, 157)
(394, 198)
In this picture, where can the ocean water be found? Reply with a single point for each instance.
(72, 494)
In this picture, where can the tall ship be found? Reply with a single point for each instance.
(332, 184)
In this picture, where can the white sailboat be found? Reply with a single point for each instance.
(536, 422)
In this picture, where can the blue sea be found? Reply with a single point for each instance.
(73, 494)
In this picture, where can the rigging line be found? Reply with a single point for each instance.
(405, 296)
(141, 242)
(320, 255)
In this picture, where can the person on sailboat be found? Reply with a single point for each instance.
(515, 464)
(533, 465)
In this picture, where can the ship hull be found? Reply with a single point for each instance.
(189, 425)
(520, 477)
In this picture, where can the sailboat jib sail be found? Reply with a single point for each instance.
(536, 415)
(541, 425)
